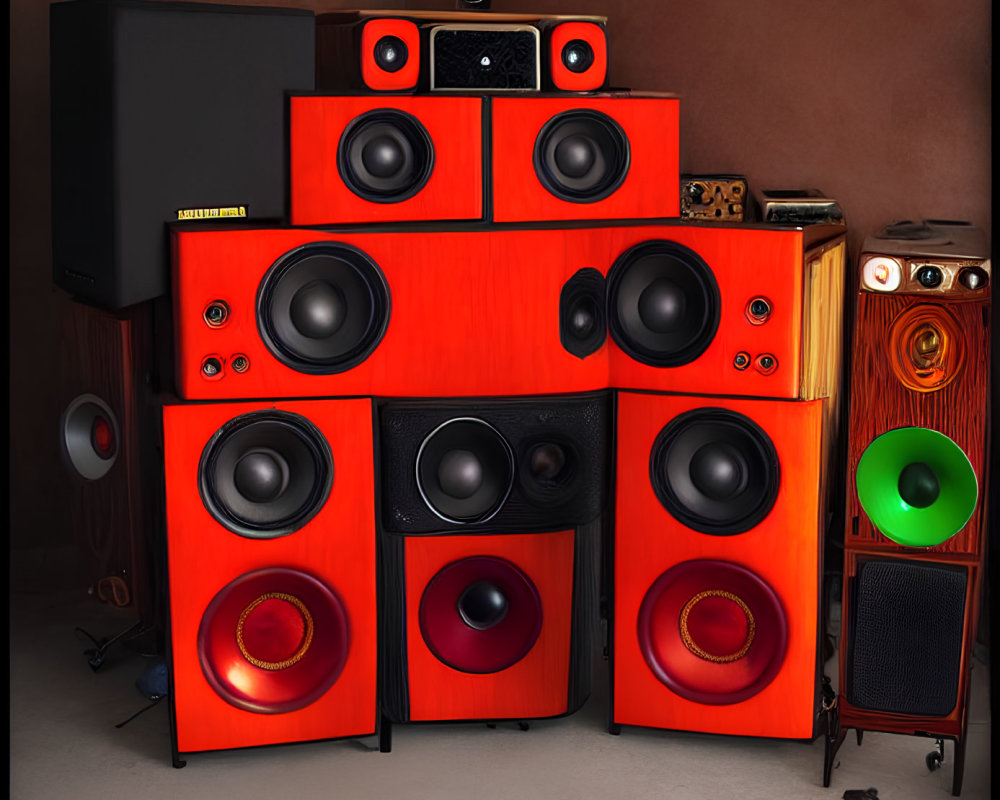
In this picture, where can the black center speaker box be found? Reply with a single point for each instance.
(161, 112)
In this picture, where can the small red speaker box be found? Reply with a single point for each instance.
(292, 312)
(594, 157)
(361, 159)
(917, 484)
(390, 54)
(726, 310)
(271, 543)
(491, 627)
(577, 55)
(717, 561)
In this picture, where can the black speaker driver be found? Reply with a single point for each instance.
(577, 56)
(663, 303)
(265, 474)
(385, 156)
(583, 325)
(465, 470)
(323, 308)
(715, 471)
(549, 469)
(391, 53)
(581, 156)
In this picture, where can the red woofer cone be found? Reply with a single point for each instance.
(712, 631)
(480, 614)
(273, 640)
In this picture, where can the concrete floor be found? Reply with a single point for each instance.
(64, 743)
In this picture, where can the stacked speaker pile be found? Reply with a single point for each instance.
(916, 506)
(406, 459)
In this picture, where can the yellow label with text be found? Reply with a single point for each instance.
(211, 213)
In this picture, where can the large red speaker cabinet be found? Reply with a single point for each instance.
(108, 437)
(917, 483)
(362, 159)
(293, 312)
(271, 556)
(717, 564)
(593, 157)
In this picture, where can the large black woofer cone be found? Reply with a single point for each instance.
(715, 471)
(465, 470)
(265, 474)
(581, 156)
(663, 303)
(323, 308)
(385, 156)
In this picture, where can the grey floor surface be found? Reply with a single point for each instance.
(64, 743)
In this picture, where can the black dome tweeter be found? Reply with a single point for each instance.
(663, 303)
(265, 474)
(582, 321)
(465, 470)
(391, 53)
(715, 471)
(577, 55)
(482, 605)
(323, 308)
(581, 156)
(385, 156)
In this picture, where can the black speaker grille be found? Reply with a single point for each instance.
(559, 447)
(906, 631)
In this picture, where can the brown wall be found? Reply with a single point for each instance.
(884, 106)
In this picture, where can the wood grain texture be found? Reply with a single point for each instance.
(880, 403)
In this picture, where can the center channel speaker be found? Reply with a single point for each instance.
(488, 627)
(726, 309)
(286, 312)
(916, 482)
(361, 159)
(160, 112)
(606, 156)
(271, 549)
(493, 465)
(717, 563)
(457, 51)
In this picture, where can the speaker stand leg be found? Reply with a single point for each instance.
(97, 654)
(860, 735)
(958, 771)
(614, 728)
(834, 736)
(384, 735)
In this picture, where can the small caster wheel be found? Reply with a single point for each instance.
(524, 726)
(933, 760)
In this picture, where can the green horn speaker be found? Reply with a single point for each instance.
(917, 486)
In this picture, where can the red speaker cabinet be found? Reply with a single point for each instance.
(576, 55)
(917, 483)
(717, 564)
(365, 159)
(293, 312)
(609, 156)
(489, 627)
(271, 543)
(731, 310)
